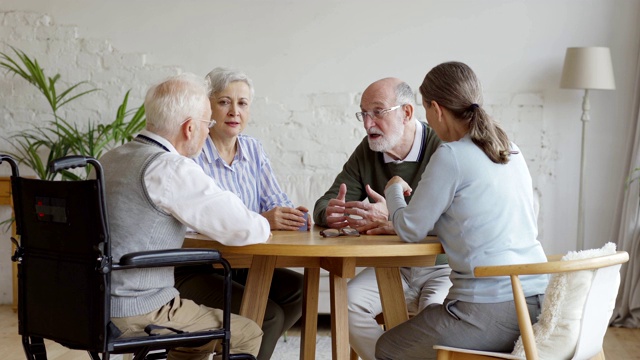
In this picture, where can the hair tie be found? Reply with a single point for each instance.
(473, 106)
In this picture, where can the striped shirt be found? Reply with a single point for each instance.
(249, 176)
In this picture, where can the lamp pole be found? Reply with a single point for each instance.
(586, 68)
(585, 118)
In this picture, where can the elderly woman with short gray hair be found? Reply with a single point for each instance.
(240, 165)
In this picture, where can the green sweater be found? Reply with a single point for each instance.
(368, 167)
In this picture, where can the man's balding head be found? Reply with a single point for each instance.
(388, 104)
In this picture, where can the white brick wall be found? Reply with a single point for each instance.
(60, 48)
(307, 136)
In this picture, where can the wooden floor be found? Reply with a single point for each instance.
(619, 343)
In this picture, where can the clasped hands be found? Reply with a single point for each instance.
(367, 218)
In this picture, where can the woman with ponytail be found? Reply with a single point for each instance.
(476, 196)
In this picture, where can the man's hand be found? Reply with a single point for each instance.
(286, 218)
(377, 228)
(367, 213)
(335, 212)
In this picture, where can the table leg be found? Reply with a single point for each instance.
(256, 291)
(339, 317)
(394, 306)
(310, 314)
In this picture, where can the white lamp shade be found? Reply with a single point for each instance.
(588, 68)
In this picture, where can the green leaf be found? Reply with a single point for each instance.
(36, 147)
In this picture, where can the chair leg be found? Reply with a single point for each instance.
(141, 355)
(96, 356)
(34, 348)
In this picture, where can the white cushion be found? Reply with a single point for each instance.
(558, 326)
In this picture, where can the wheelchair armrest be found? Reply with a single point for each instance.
(14, 165)
(172, 257)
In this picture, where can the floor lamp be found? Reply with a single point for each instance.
(586, 68)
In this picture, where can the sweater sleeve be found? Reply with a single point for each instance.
(434, 194)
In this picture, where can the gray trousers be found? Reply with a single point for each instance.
(488, 327)
(422, 286)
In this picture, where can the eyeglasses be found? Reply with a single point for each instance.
(339, 232)
(210, 123)
(375, 114)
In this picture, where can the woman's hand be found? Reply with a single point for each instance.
(384, 227)
(286, 218)
(406, 189)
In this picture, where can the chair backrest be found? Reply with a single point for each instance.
(63, 294)
(578, 304)
(598, 307)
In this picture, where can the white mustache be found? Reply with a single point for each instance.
(374, 131)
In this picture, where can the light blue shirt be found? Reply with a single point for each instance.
(249, 176)
(483, 214)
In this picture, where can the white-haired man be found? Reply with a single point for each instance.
(154, 191)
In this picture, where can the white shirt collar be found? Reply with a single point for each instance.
(166, 143)
(414, 153)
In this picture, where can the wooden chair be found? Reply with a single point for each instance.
(580, 299)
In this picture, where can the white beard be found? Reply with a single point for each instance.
(387, 141)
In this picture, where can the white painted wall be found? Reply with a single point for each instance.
(310, 62)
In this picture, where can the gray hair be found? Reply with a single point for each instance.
(404, 94)
(219, 78)
(172, 101)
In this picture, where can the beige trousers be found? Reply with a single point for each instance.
(184, 314)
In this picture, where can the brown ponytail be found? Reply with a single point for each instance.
(454, 86)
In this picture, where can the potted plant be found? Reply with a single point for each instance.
(57, 137)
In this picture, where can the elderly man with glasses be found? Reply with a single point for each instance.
(396, 144)
(154, 192)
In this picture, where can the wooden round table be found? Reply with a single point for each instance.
(339, 256)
